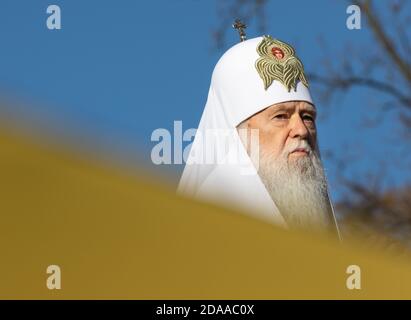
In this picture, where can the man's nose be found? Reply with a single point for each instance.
(298, 128)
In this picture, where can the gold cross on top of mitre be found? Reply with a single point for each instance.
(240, 26)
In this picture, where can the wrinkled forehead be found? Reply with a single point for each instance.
(293, 105)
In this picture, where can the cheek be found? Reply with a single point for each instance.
(312, 130)
(272, 141)
(313, 136)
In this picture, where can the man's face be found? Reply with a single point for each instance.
(284, 123)
(289, 163)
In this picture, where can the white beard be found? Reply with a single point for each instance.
(298, 187)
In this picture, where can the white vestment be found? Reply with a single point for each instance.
(236, 93)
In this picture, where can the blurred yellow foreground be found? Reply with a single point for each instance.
(117, 237)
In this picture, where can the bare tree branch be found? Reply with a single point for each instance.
(347, 82)
(384, 40)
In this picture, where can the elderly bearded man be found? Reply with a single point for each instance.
(259, 86)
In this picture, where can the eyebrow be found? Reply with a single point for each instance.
(282, 107)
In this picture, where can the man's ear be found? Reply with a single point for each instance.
(244, 134)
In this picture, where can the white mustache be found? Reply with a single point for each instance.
(298, 145)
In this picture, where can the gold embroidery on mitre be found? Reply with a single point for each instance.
(278, 62)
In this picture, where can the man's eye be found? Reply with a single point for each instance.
(308, 118)
(281, 116)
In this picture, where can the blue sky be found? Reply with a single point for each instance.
(117, 70)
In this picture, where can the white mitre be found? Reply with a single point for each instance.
(237, 92)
